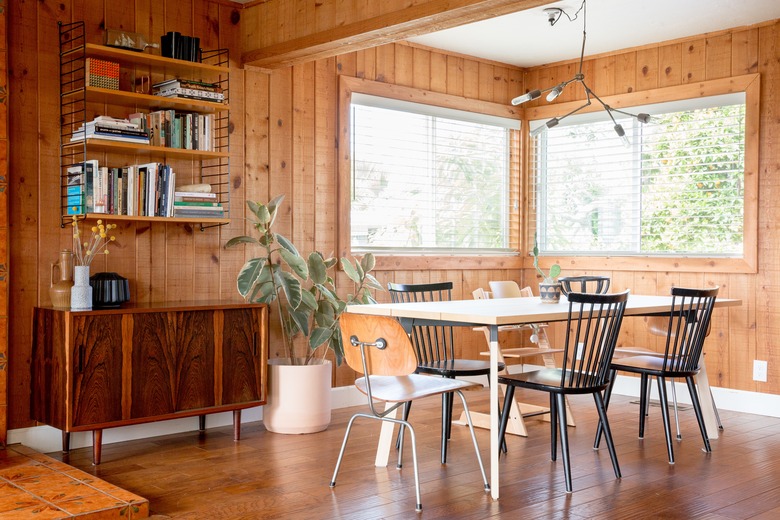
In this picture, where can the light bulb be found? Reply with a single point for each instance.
(527, 97)
(622, 134)
(552, 122)
(644, 118)
(555, 92)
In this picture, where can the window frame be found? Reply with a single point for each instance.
(748, 263)
(349, 85)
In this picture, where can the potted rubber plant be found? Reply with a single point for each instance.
(301, 292)
(549, 287)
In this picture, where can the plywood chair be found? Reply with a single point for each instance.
(435, 348)
(510, 289)
(379, 348)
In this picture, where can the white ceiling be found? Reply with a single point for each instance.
(526, 39)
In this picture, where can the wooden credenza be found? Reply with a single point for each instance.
(147, 362)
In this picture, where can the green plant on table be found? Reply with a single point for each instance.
(301, 286)
(555, 270)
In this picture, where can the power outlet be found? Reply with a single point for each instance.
(759, 370)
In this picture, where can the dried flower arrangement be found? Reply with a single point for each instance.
(84, 252)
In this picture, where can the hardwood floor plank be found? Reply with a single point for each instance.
(268, 475)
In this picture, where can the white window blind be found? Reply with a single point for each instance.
(677, 190)
(428, 180)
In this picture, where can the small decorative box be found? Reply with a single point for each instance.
(102, 73)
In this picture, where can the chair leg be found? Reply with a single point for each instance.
(561, 409)
(602, 409)
(715, 409)
(474, 440)
(554, 427)
(676, 415)
(341, 452)
(607, 395)
(509, 394)
(445, 421)
(644, 399)
(665, 415)
(407, 408)
(697, 410)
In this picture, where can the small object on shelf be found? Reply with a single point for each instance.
(109, 290)
(195, 188)
(102, 73)
(81, 292)
(128, 40)
(180, 47)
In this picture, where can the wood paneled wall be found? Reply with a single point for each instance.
(162, 261)
(285, 140)
(743, 334)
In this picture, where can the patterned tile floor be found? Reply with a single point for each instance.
(33, 485)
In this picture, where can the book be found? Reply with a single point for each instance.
(195, 203)
(191, 93)
(132, 193)
(181, 195)
(101, 190)
(90, 169)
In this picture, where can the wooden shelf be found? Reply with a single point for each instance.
(123, 97)
(167, 66)
(205, 222)
(106, 145)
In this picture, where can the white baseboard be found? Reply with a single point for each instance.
(47, 439)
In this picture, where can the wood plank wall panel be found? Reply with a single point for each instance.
(4, 193)
(739, 335)
(162, 261)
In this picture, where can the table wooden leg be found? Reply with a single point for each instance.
(385, 439)
(707, 405)
(495, 444)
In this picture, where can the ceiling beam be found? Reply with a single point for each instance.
(276, 36)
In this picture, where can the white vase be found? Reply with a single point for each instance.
(81, 292)
(298, 397)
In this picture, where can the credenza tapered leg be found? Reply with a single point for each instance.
(97, 445)
(236, 425)
(65, 442)
(202, 423)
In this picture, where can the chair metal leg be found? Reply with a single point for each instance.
(554, 427)
(697, 410)
(509, 394)
(602, 409)
(401, 423)
(561, 409)
(474, 440)
(665, 415)
(407, 408)
(343, 448)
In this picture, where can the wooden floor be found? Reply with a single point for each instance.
(268, 475)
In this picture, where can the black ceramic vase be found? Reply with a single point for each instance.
(109, 290)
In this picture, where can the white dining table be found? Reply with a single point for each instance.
(494, 313)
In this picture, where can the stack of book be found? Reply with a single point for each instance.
(112, 129)
(190, 89)
(189, 204)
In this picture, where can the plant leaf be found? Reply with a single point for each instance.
(289, 246)
(308, 300)
(368, 262)
(555, 270)
(241, 240)
(300, 317)
(319, 336)
(349, 270)
(318, 270)
(248, 275)
(273, 208)
(291, 287)
(296, 263)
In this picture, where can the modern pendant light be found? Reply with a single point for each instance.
(553, 15)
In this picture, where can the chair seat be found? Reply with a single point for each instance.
(457, 367)
(399, 389)
(546, 379)
(650, 364)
